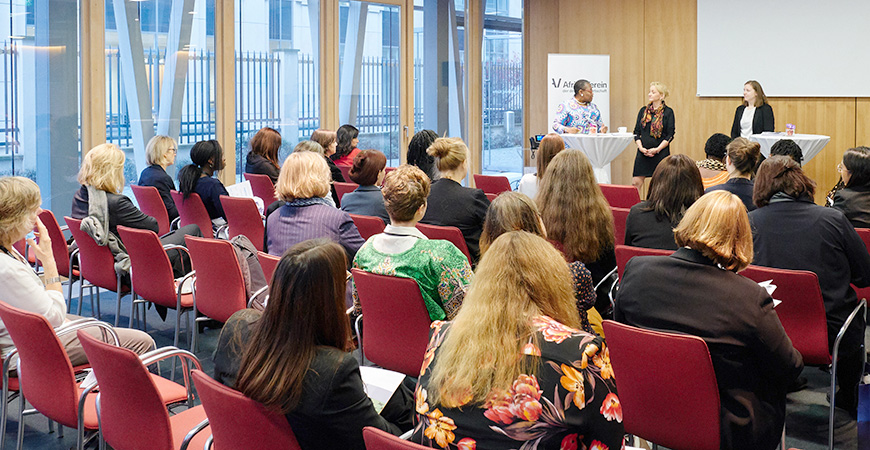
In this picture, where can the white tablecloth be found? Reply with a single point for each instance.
(601, 149)
(810, 144)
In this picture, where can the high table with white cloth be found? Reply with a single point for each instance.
(601, 149)
(810, 144)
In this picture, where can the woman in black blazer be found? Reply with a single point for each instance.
(296, 359)
(450, 204)
(854, 198)
(696, 291)
(758, 118)
(160, 153)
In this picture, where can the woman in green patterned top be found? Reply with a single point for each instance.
(438, 267)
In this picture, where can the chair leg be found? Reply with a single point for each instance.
(80, 437)
(118, 309)
(133, 311)
(81, 296)
(833, 400)
(4, 411)
(99, 314)
(20, 422)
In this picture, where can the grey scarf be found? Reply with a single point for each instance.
(96, 225)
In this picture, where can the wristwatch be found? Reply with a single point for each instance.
(51, 280)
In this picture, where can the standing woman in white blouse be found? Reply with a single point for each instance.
(755, 115)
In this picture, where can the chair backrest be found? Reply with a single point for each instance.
(46, 377)
(58, 242)
(192, 210)
(345, 170)
(343, 188)
(386, 171)
(268, 263)
(152, 204)
(396, 322)
(129, 400)
(381, 440)
(262, 187)
(96, 264)
(619, 217)
(150, 269)
(620, 196)
(865, 236)
(802, 311)
(368, 226)
(492, 184)
(236, 421)
(451, 234)
(626, 252)
(653, 406)
(220, 285)
(243, 217)
(490, 197)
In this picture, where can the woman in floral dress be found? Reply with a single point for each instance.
(513, 370)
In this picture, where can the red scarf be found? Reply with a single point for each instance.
(654, 115)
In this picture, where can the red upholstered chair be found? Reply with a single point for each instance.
(243, 217)
(368, 226)
(21, 247)
(620, 196)
(151, 275)
(865, 236)
(345, 171)
(152, 204)
(396, 324)
(262, 187)
(653, 406)
(490, 197)
(97, 266)
(192, 210)
(381, 440)
(219, 286)
(491, 184)
(451, 234)
(626, 252)
(619, 217)
(268, 263)
(59, 249)
(802, 314)
(132, 413)
(238, 422)
(343, 188)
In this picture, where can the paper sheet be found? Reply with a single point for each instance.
(380, 384)
(770, 287)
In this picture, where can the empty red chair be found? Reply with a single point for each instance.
(491, 184)
(97, 267)
(626, 252)
(654, 407)
(345, 171)
(192, 210)
(244, 218)
(396, 324)
(343, 188)
(620, 196)
(451, 234)
(238, 422)
(268, 263)
(381, 440)
(132, 413)
(60, 250)
(151, 274)
(262, 187)
(219, 286)
(620, 215)
(152, 204)
(368, 226)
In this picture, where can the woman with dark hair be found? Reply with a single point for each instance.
(754, 115)
(348, 138)
(207, 157)
(854, 198)
(550, 145)
(653, 133)
(296, 360)
(741, 159)
(697, 291)
(792, 232)
(712, 168)
(368, 173)
(263, 157)
(675, 185)
(417, 155)
(515, 211)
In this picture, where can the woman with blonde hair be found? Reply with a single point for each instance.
(550, 145)
(515, 211)
(263, 157)
(697, 291)
(160, 153)
(450, 203)
(327, 140)
(302, 185)
(578, 217)
(653, 133)
(514, 359)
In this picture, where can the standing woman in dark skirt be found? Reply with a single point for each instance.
(653, 134)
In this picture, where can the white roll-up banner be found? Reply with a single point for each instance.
(564, 69)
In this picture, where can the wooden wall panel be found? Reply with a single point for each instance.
(862, 122)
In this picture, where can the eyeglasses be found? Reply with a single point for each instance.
(841, 168)
(172, 150)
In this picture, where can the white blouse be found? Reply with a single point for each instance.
(21, 288)
(529, 185)
(746, 121)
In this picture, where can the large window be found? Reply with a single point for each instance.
(277, 75)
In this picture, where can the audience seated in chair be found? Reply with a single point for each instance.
(417, 155)
(741, 159)
(854, 198)
(368, 173)
(263, 157)
(550, 145)
(713, 169)
(347, 138)
(207, 157)
(160, 153)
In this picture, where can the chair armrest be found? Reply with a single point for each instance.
(181, 281)
(162, 353)
(209, 443)
(76, 325)
(192, 433)
(222, 229)
(255, 294)
(407, 435)
(174, 224)
(862, 304)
